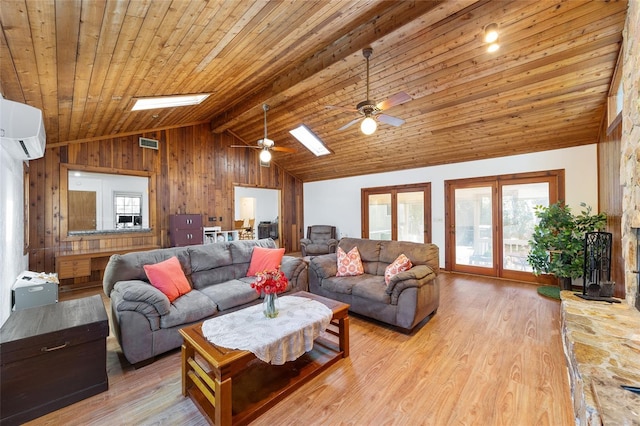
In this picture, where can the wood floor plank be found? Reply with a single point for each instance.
(492, 355)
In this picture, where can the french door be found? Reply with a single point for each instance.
(400, 213)
(490, 221)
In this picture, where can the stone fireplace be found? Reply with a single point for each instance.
(602, 340)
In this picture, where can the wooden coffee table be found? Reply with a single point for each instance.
(208, 371)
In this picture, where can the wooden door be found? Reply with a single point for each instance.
(82, 210)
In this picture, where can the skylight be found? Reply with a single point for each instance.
(310, 141)
(168, 101)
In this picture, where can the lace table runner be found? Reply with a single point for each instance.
(273, 340)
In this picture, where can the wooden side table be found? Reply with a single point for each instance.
(52, 356)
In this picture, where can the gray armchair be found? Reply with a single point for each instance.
(321, 239)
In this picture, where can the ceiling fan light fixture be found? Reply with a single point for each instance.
(368, 126)
(266, 142)
(265, 156)
(493, 47)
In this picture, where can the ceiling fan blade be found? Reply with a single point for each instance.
(350, 123)
(387, 119)
(341, 108)
(244, 146)
(397, 99)
(284, 149)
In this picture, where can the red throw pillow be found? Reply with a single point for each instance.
(349, 264)
(264, 259)
(168, 277)
(402, 263)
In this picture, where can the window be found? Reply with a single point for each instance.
(616, 96)
(128, 209)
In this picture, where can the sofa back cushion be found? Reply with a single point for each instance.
(418, 253)
(123, 267)
(220, 262)
(369, 253)
(376, 255)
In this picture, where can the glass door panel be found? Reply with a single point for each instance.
(518, 220)
(474, 227)
(380, 216)
(411, 216)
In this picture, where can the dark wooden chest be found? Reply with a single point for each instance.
(52, 356)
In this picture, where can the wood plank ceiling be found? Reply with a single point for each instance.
(83, 62)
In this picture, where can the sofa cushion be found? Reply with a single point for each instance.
(168, 277)
(143, 297)
(264, 259)
(349, 264)
(345, 285)
(373, 288)
(208, 256)
(402, 263)
(369, 253)
(190, 307)
(122, 267)
(231, 293)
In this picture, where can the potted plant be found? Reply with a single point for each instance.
(557, 242)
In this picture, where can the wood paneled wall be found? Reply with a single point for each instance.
(195, 172)
(610, 198)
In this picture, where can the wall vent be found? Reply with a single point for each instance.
(148, 143)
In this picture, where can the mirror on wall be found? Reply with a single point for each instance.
(100, 202)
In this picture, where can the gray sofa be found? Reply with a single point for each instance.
(146, 323)
(410, 297)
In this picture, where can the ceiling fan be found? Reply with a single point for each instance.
(266, 145)
(371, 111)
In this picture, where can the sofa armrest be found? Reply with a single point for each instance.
(417, 276)
(333, 245)
(142, 297)
(295, 269)
(324, 266)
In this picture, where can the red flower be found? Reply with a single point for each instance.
(270, 282)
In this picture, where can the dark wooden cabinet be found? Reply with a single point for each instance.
(52, 356)
(185, 229)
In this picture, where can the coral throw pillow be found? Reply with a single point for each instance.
(168, 277)
(349, 264)
(402, 263)
(264, 259)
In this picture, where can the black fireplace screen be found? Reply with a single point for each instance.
(597, 258)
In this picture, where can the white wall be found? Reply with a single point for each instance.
(12, 261)
(337, 202)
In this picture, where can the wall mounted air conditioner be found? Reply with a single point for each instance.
(21, 130)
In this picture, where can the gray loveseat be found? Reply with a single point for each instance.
(410, 297)
(146, 323)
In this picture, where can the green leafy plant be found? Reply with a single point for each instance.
(557, 242)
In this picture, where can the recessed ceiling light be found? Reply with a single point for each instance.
(491, 33)
(310, 140)
(168, 101)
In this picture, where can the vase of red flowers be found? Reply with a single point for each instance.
(270, 283)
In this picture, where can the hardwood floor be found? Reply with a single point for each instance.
(492, 355)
